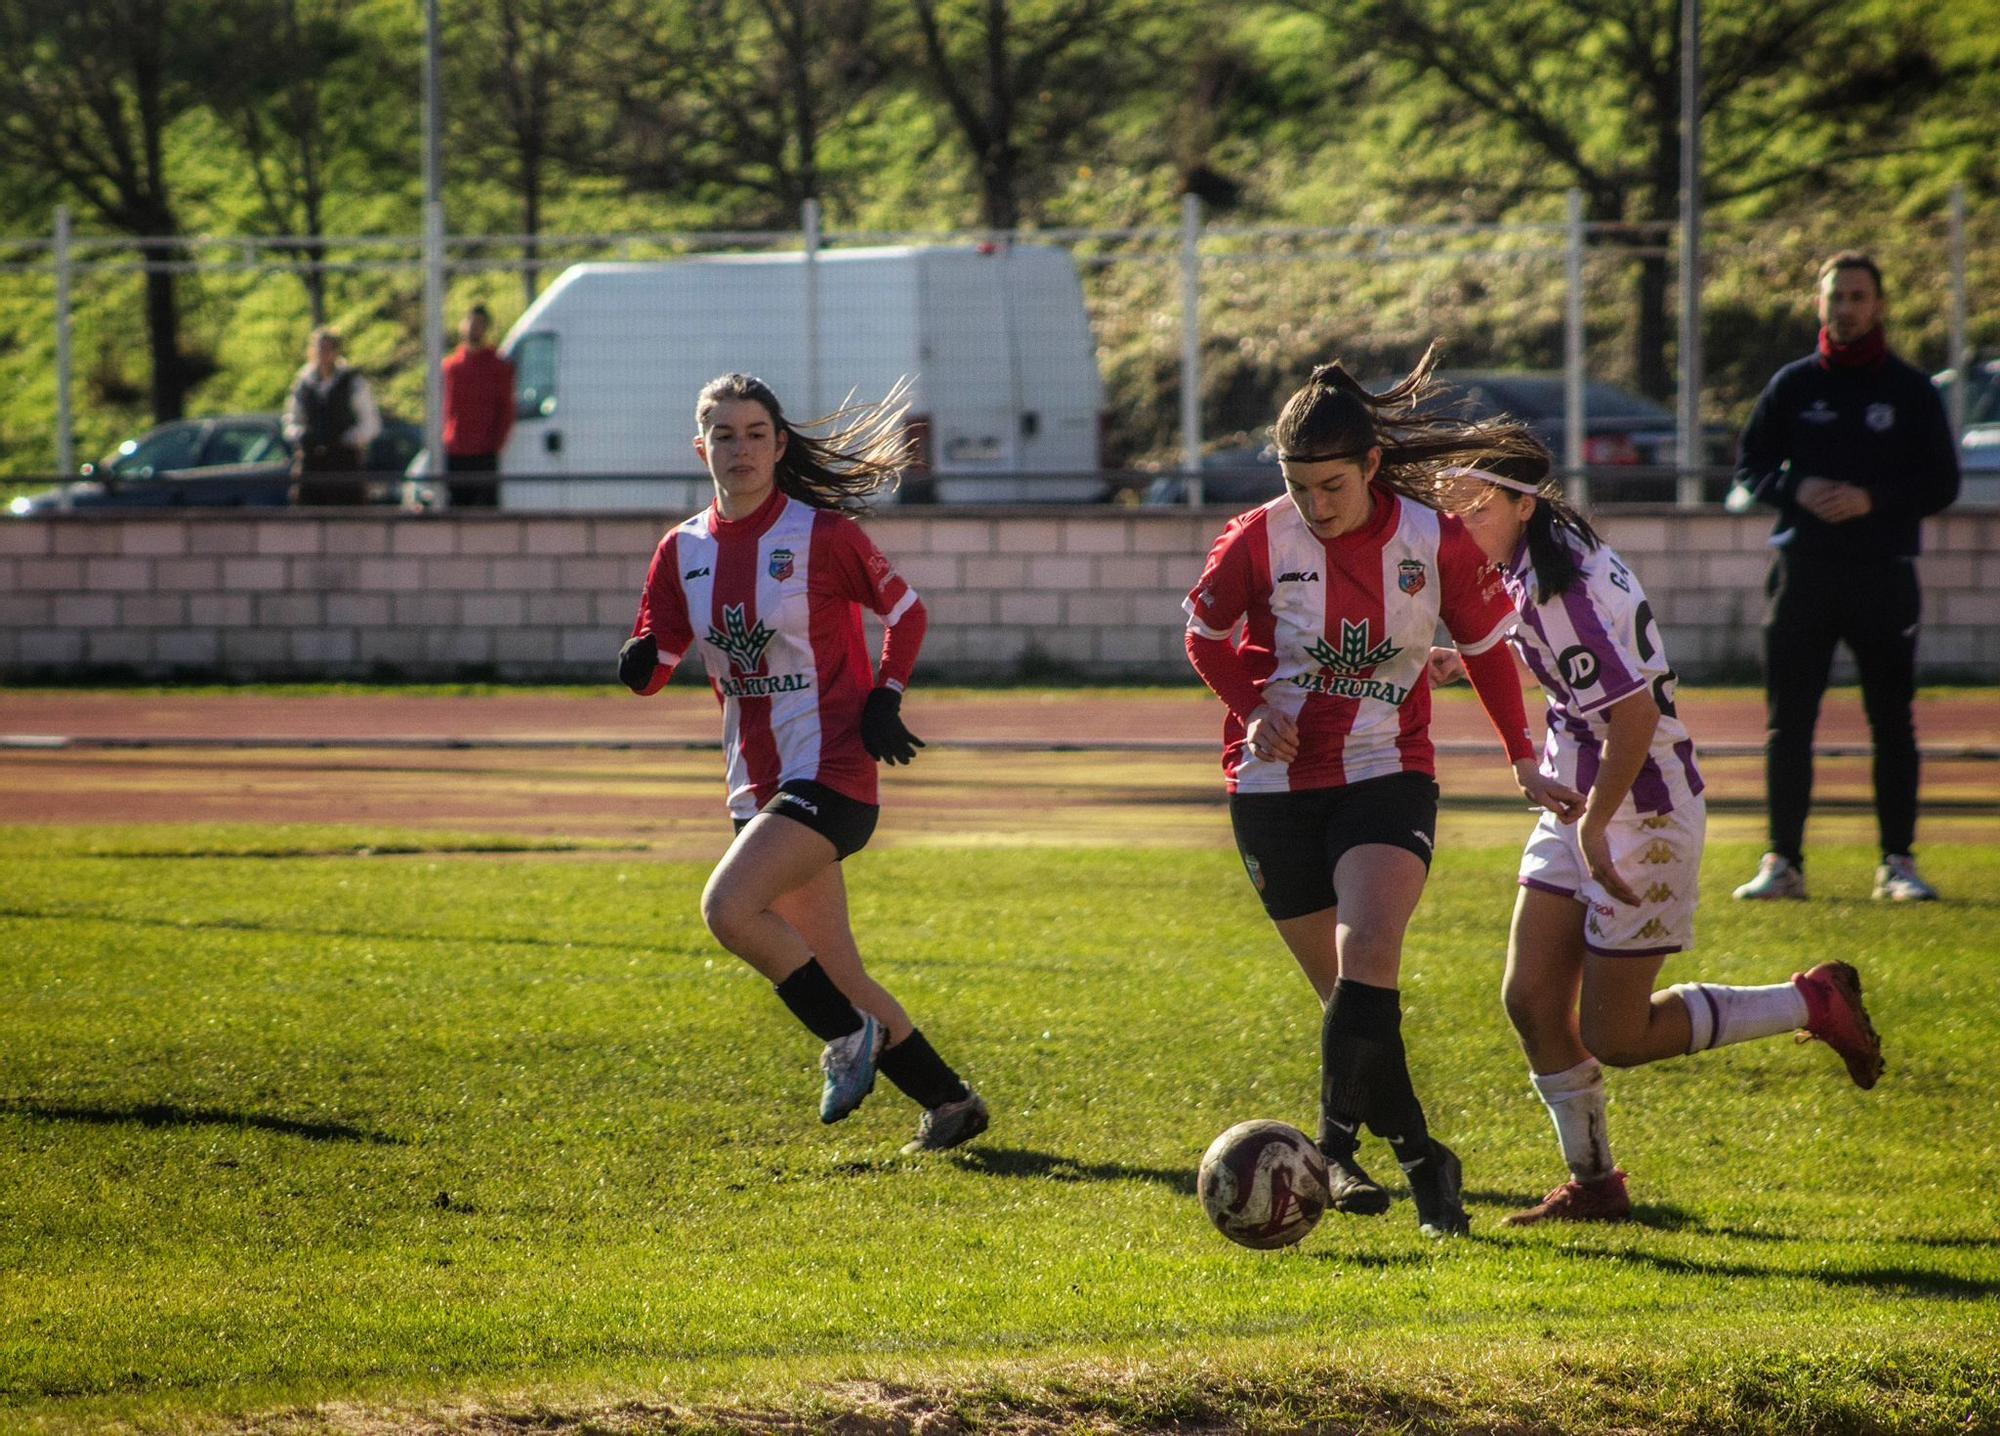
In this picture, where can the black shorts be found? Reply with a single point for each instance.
(843, 821)
(1290, 842)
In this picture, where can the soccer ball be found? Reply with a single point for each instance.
(1263, 1184)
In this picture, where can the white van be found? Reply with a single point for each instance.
(1005, 399)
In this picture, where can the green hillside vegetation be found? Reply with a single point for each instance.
(1829, 124)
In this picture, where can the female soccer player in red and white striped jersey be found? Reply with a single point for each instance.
(770, 581)
(1338, 586)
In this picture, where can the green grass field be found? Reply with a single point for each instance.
(312, 1130)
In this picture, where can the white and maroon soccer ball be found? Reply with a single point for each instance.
(1263, 1184)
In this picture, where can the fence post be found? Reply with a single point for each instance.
(1191, 346)
(65, 418)
(1573, 392)
(1961, 347)
(809, 223)
(434, 338)
(1688, 450)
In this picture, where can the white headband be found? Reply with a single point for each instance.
(1515, 484)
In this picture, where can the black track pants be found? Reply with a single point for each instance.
(1873, 606)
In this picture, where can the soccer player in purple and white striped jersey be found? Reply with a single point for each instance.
(1608, 888)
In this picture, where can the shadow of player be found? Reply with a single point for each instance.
(1050, 1166)
(166, 1114)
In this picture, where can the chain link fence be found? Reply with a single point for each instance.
(1139, 365)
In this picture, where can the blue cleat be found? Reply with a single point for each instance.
(849, 1064)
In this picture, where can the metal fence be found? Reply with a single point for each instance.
(1194, 334)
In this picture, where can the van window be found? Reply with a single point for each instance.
(534, 359)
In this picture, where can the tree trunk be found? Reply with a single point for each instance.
(163, 336)
(1649, 330)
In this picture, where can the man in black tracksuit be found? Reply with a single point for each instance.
(1852, 448)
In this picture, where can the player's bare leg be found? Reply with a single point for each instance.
(1624, 1021)
(818, 913)
(1542, 990)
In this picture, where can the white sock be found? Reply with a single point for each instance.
(1575, 1099)
(1722, 1015)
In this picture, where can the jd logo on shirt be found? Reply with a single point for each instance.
(1579, 666)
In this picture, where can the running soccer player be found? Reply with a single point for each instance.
(770, 581)
(1608, 894)
(1338, 585)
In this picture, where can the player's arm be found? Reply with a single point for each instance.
(661, 633)
(1218, 601)
(1929, 482)
(866, 576)
(1629, 725)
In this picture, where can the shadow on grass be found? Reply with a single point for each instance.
(1021, 1162)
(165, 1114)
(1882, 1279)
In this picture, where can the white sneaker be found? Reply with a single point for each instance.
(1897, 880)
(1776, 879)
(849, 1065)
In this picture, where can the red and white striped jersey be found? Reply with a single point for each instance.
(1336, 633)
(774, 601)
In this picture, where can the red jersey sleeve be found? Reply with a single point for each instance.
(1221, 596)
(663, 613)
(1475, 608)
(861, 572)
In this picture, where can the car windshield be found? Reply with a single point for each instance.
(169, 448)
(241, 444)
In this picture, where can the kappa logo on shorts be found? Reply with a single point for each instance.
(1410, 575)
(1654, 928)
(1256, 872)
(781, 564)
(1659, 851)
(1658, 892)
(1655, 823)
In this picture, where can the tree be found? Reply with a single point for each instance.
(740, 96)
(1025, 81)
(1794, 90)
(87, 97)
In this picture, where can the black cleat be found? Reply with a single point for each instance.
(1351, 1190)
(1437, 1185)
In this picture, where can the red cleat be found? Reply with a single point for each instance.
(1602, 1200)
(1835, 1016)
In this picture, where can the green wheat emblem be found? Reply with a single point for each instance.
(741, 644)
(1354, 657)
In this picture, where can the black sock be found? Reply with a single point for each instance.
(815, 1001)
(1393, 1113)
(1348, 1053)
(924, 1077)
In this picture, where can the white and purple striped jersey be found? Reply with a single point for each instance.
(1588, 648)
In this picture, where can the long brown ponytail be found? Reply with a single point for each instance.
(1334, 416)
(861, 451)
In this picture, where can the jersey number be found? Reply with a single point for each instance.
(1663, 686)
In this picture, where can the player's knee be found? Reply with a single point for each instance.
(724, 914)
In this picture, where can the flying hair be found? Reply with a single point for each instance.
(1558, 534)
(1334, 416)
(836, 462)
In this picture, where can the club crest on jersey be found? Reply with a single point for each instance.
(1881, 417)
(781, 564)
(1341, 669)
(741, 644)
(1410, 575)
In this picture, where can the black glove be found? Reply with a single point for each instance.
(882, 730)
(636, 662)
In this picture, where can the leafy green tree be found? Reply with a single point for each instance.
(1795, 93)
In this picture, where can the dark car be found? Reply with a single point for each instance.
(236, 461)
(1621, 430)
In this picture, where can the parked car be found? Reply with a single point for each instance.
(1239, 474)
(1979, 445)
(234, 461)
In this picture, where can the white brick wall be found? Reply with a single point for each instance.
(521, 597)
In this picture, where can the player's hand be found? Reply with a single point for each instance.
(1542, 791)
(1833, 502)
(1444, 666)
(882, 730)
(1273, 736)
(637, 660)
(1597, 858)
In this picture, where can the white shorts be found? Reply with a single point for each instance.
(1659, 857)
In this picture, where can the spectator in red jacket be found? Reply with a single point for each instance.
(478, 412)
